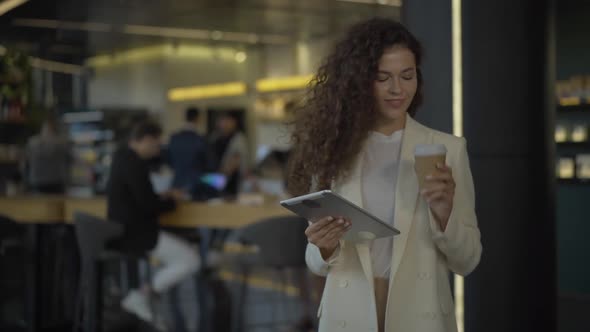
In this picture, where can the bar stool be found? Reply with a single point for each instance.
(11, 242)
(281, 243)
(92, 235)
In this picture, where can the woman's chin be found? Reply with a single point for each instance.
(392, 114)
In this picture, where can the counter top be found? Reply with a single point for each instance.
(57, 209)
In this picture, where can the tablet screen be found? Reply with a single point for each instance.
(215, 180)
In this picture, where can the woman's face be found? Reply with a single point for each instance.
(395, 84)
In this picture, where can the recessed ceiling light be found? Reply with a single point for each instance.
(241, 57)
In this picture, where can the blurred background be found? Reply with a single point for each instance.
(513, 78)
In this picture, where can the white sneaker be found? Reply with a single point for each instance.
(138, 303)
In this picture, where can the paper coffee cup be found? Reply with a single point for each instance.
(426, 157)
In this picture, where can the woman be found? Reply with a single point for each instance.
(355, 135)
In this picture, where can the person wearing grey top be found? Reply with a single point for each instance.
(231, 149)
(48, 159)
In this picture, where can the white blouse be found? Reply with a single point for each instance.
(379, 179)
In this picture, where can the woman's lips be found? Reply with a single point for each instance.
(395, 103)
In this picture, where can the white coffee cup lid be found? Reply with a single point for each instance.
(429, 149)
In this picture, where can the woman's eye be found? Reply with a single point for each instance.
(408, 78)
(382, 78)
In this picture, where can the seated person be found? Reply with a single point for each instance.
(133, 202)
(269, 175)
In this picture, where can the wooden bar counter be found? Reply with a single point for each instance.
(33, 209)
(51, 209)
(37, 211)
(190, 214)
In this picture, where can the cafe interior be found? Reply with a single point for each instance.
(86, 72)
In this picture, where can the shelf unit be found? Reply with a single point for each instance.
(13, 122)
(581, 108)
(15, 86)
(578, 145)
(579, 114)
(574, 181)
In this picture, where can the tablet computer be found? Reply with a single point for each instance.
(215, 180)
(326, 203)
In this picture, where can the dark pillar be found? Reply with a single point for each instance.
(430, 21)
(508, 74)
(508, 123)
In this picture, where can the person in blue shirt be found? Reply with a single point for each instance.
(187, 153)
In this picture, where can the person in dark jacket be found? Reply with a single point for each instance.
(187, 153)
(133, 203)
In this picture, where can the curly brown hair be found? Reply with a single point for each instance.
(330, 128)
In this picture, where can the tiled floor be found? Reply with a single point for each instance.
(266, 298)
(267, 307)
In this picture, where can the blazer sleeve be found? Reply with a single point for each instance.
(460, 242)
(313, 257)
(316, 263)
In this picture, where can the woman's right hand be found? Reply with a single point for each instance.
(326, 233)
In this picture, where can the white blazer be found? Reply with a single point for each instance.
(419, 298)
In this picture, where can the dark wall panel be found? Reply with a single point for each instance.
(508, 125)
(430, 21)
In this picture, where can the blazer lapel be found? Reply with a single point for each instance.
(406, 195)
(407, 192)
(351, 189)
(363, 249)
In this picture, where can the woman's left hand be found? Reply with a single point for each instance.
(439, 192)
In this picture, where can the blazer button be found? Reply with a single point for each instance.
(429, 315)
(424, 276)
(343, 283)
